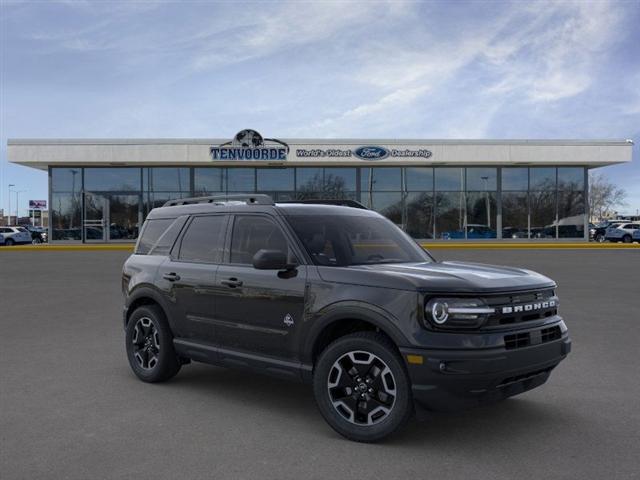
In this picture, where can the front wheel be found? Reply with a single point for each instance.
(599, 238)
(9, 242)
(362, 387)
(149, 344)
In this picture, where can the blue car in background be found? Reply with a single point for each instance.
(473, 232)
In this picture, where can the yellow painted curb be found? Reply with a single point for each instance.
(49, 248)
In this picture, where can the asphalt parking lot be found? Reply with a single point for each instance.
(71, 408)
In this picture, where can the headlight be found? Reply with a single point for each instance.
(457, 312)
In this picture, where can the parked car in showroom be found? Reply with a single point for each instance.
(15, 235)
(473, 231)
(38, 234)
(599, 231)
(622, 232)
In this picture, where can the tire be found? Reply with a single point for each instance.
(152, 356)
(341, 392)
(599, 238)
(36, 241)
(626, 239)
(9, 242)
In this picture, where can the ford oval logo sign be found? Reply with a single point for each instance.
(371, 153)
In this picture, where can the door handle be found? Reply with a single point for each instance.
(232, 282)
(172, 276)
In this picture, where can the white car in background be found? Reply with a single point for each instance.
(14, 235)
(622, 233)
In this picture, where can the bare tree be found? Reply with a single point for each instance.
(604, 196)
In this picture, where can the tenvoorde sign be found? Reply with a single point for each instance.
(249, 145)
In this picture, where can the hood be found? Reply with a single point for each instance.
(452, 277)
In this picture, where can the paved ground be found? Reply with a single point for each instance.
(70, 407)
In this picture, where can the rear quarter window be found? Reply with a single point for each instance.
(152, 231)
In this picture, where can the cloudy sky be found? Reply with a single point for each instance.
(410, 69)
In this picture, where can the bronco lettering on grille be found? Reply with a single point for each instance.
(529, 307)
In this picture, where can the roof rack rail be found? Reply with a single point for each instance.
(338, 202)
(257, 199)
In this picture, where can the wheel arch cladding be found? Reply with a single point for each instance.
(142, 299)
(341, 323)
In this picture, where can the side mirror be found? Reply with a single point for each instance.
(270, 260)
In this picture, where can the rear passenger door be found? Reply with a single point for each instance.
(188, 276)
(258, 311)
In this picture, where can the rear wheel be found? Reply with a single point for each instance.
(149, 344)
(362, 388)
(626, 239)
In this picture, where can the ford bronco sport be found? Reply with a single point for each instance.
(338, 297)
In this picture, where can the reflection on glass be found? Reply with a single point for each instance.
(571, 214)
(481, 215)
(66, 216)
(449, 179)
(123, 217)
(388, 204)
(241, 180)
(309, 179)
(482, 179)
(515, 214)
(275, 179)
(382, 179)
(158, 199)
(345, 177)
(420, 214)
(66, 179)
(208, 181)
(112, 179)
(449, 214)
(419, 179)
(570, 178)
(543, 214)
(542, 178)
(515, 179)
(168, 179)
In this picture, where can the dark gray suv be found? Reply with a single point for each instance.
(339, 297)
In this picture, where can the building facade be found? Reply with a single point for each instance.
(101, 190)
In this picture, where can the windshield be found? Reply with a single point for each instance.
(343, 240)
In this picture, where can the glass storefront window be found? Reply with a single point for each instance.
(340, 179)
(571, 212)
(543, 214)
(542, 178)
(66, 216)
(571, 178)
(420, 215)
(66, 179)
(309, 180)
(112, 179)
(241, 180)
(515, 215)
(515, 179)
(158, 199)
(275, 179)
(449, 179)
(381, 179)
(208, 181)
(388, 204)
(167, 179)
(419, 179)
(481, 215)
(449, 207)
(482, 179)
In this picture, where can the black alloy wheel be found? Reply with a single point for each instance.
(149, 345)
(362, 388)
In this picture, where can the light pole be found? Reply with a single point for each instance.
(9, 211)
(18, 192)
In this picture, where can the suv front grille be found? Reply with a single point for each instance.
(525, 339)
(521, 307)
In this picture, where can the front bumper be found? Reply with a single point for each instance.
(451, 379)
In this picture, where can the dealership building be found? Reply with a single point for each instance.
(101, 190)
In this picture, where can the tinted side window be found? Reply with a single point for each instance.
(152, 231)
(252, 233)
(167, 239)
(204, 239)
